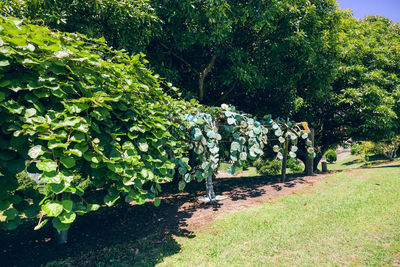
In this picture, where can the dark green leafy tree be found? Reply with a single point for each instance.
(362, 102)
(254, 54)
(263, 56)
(368, 82)
(126, 24)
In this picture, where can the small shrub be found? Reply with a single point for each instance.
(268, 167)
(330, 156)
(245, 165)
(295, 165)
(355, 149)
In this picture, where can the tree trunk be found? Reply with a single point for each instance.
(62, 237)
(203, 75)
(284, 161)
(317, 159)
(310, 161)
(210, 189)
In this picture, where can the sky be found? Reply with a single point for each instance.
(387, 8)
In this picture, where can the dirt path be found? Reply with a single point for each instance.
(240, 196)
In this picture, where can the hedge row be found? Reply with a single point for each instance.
(72, 109)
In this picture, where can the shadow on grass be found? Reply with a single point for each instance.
(356, 161)
(126, 235)
(373, 160)
(386, 166)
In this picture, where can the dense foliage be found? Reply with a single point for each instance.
(268, 167)
(368, 83)
(304, 59)
(331, 156)
(77, 115)
(72, 107)
(126, 24)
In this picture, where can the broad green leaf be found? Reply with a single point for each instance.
(109, 199)
(93, 207)
(35, 151)
(4, 63)
(59, 225)
(157, 202)
(52, 209)
(4, 204)
(67, 217)
(47, 165)
(78, 137)
(11, 214)
(56, 144)
(67, 205)
(181, 185)
(235, 146)
(128, 145)
(143, 146)
(12, 224)
(188, 178)
(32, 211)
(211, 134)
(68, 162)
(30, 112)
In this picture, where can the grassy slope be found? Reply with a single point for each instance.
(352, 218)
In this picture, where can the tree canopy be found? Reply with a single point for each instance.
(304, 59)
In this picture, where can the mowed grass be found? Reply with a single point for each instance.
(250, 172)
(350, 218)
(347, 163)
(354, 162)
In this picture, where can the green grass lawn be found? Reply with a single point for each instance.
(351, 218)
(250, 172)
(354, 162)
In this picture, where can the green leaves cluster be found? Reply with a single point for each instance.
(247, 138)
(125, 24)
(72, 107)
(369, 78)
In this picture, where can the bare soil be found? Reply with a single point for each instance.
(180, 214)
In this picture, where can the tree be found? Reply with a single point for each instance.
(368, 82)
(253, 54)
(302, 59)
(125, 24)
(362, 103)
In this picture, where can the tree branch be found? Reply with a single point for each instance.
(203, 75)
(225, 94)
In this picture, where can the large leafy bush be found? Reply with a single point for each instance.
(71, 108)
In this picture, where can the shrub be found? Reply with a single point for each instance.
(80, 114)
(331, 156)
(295, 165)
(355, 149)
(268, 167)
(245, 165)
